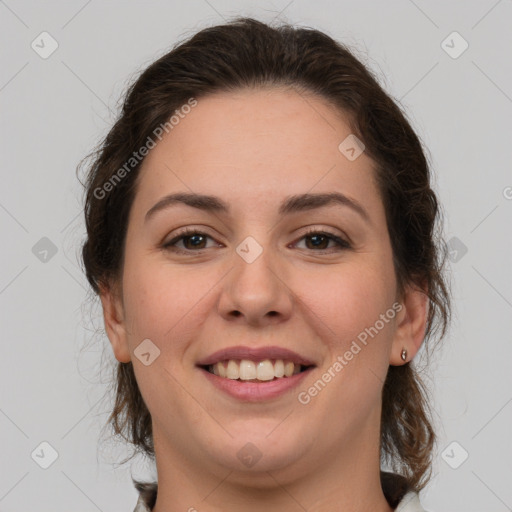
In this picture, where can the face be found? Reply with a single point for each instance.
(268, 270)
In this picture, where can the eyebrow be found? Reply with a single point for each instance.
(292, 204)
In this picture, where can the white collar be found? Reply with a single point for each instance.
(141, 506)
(409, 503)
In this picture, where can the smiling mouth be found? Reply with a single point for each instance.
(255, 371)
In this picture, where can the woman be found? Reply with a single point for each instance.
(262, 234)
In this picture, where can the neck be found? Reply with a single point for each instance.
(350, 480)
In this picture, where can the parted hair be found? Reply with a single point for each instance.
(246, 53)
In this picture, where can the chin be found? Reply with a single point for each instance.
(258, 448)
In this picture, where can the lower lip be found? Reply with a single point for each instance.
(256, 391)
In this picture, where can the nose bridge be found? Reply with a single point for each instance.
(254, 289)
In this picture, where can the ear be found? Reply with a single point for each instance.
(115, 327)
(411, 322)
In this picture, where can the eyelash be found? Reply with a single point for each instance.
(342, 244)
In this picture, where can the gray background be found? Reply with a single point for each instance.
(55, 370)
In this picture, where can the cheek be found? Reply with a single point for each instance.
(159, 298)
(347, 300)
(347, 306)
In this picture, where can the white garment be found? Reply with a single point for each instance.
(141, 506)
(409, 503)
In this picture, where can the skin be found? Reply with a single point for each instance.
(253, 149)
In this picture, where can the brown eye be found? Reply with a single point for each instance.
(191, 241)
(319, 240)
(194, 241)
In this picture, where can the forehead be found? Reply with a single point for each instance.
(256, 144)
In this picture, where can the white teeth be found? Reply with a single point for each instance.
(221, 369)
(265, 370)
(279, 368)
(233, 370)
(249, 370)
(288, 368)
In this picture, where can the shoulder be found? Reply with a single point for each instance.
(410, 503)
(141, 506)
(147, 496)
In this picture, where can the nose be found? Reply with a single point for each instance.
(256, 293)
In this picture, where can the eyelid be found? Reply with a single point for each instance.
(343, 242)
(188, 231)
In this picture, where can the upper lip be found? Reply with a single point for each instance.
(255, 354)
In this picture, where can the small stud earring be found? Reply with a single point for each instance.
(404, 354)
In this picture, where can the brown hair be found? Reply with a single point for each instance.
(247, 53)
